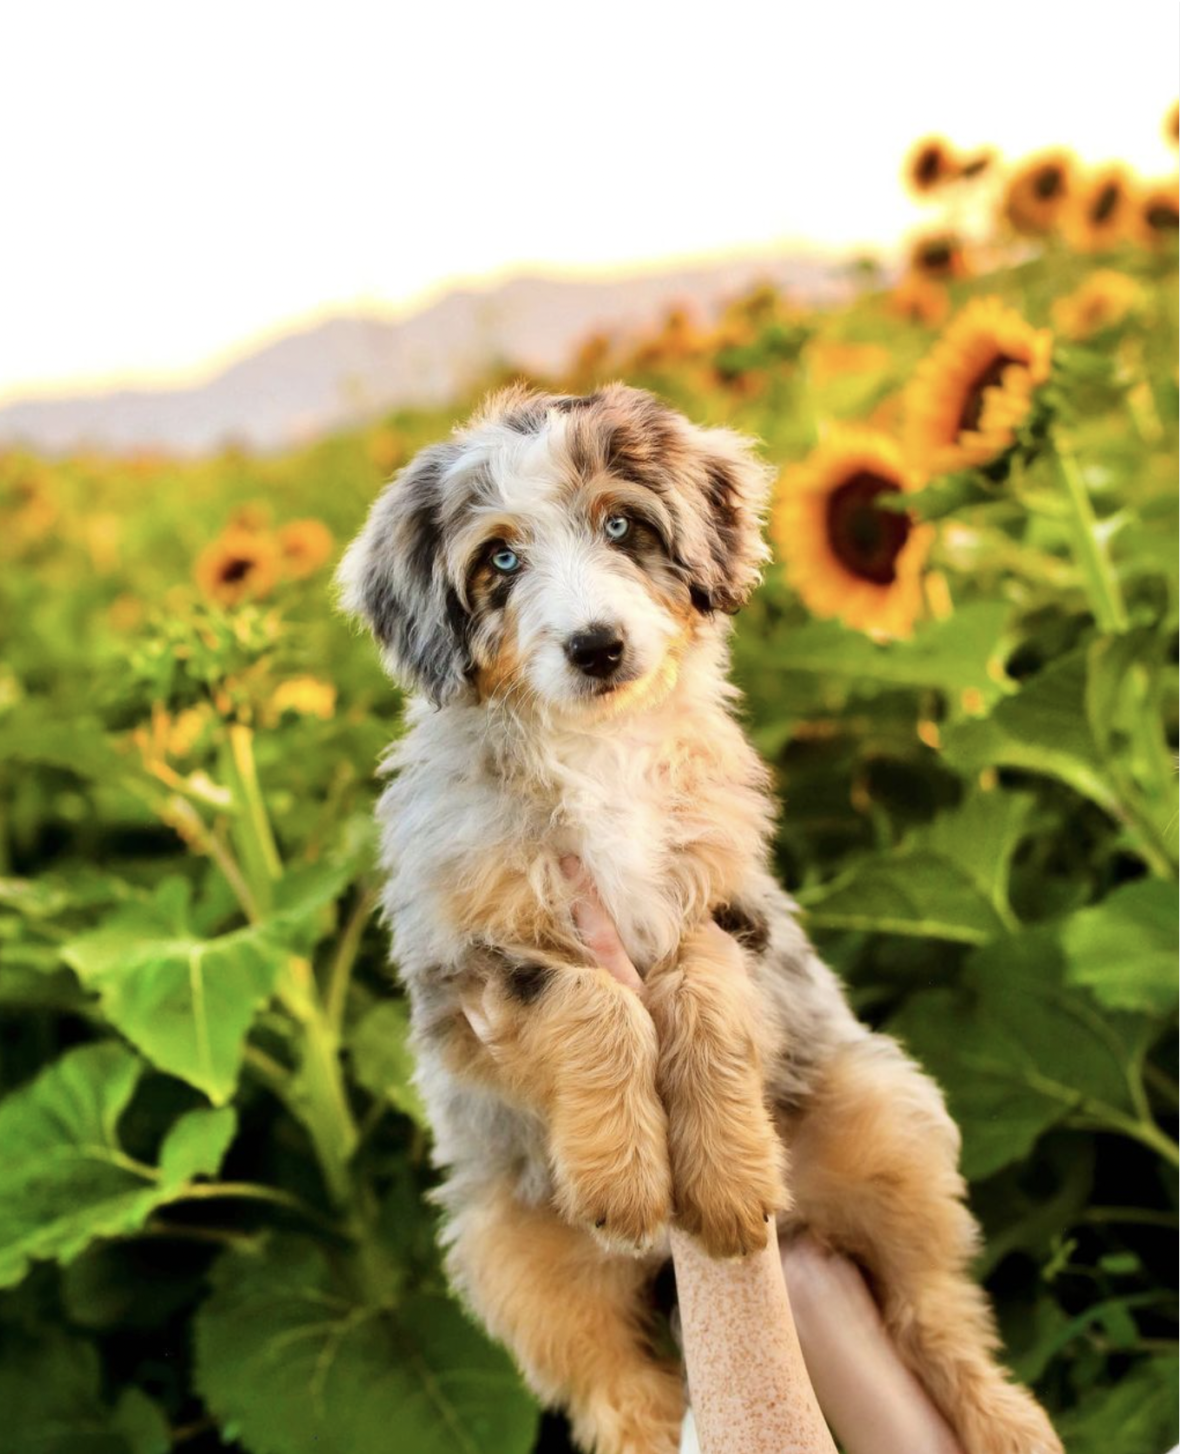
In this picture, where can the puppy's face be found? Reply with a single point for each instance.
(560, 551)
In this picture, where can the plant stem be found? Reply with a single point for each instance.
(1160, 1081)
(206, 1191)
(1098, 574)
(1141, 1216)
(317, 1093)
(264, 867)
(340, 973)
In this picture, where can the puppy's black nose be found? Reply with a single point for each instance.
(597, 651)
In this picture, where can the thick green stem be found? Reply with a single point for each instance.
(252, 824)
(317, 1092)
(340, 972)
(1090, 554)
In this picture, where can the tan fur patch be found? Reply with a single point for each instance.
(875, 1176)
(574, 1318)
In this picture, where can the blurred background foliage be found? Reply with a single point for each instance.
(215, 1231)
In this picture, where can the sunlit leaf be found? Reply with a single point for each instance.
(184, 1001)
(913, 892)
(1125, 948)
(1043, 728)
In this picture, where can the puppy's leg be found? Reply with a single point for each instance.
(727, 1161)
(874, 1172)
(574, 1318)
(575, 1045)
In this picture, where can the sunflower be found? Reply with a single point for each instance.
(1104, 299)
(930, 165)
(305, 545)
(975, 388)
(1097, 215)
(939, 256)
(920, 300)
(307, 696)
(1172, 124)
(1157, 213)
(845, 555)
(1038, 192)
(239, 565)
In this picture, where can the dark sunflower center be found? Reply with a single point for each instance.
(937, 255)
(1047, 183)
(972, 411)
(865, 539)
(1105, 203)
(1162, 218)
(929, 164)
(236, 569)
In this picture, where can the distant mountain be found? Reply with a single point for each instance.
(348, 369)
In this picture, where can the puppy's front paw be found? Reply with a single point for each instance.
(729, 1220)
(729, 1203)
(625, 1200)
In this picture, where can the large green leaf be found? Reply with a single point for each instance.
(1043, 728)
(979, 837)
(50, 1394)
(1136, 1416)
(1018, 1051)
(913, 892)
(1124, 949)
(289, 1361)
(186, 1002)
(953, 655)
(67, 1179)
(382, 1060)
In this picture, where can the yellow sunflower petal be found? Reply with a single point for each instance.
(972, 391)
(846, 556)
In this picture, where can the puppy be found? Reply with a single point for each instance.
(555, 584)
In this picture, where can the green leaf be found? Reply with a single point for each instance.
(196, 1145)
(50, 1394)
(979, 837)
(1136, 1416)
(1017, 1051)
(1043, 728)
(952, 655)
(1109, 660)
(944, 496)
(187, 1003)
(915, 893)
(382, 1060)
(1125, 948)
(67, 1179)
(290, 1362)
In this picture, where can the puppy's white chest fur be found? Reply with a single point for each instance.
(618, 809)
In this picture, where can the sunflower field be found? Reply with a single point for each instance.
(215, 1225)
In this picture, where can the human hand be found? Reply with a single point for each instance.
(597, 928)
(872, 1400)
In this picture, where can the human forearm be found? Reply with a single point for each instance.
(748, 1384)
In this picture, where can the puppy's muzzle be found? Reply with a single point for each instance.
(596, 652)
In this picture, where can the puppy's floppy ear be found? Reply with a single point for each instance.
(394, 578)
(724, 491)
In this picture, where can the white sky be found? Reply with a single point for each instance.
(179, 179)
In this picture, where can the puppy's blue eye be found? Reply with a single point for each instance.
(618, 527)
(506, 561)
